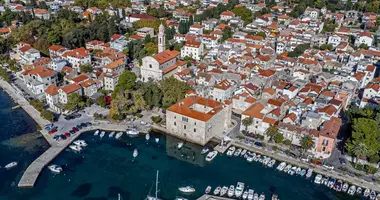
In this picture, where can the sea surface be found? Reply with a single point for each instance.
(106, 168)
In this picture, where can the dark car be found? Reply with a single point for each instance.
(342, 161)
(76, 115)
(71, 132)
(83, 125)
(69, 117)
(63, 137)
(89, 124)
(78, 126)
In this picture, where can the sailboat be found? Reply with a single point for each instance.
(149, 197)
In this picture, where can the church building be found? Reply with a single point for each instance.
(163, 64)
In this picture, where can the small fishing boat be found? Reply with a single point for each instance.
(303, 172)
(274, 197)
(325, 180)
(250, 194)
(179, 145)
(331, 182)
(96, 133)
(318, 179)
(75, 147)
(135, 153)
(287, 168)
(298, 170)
(132, 132)
(210, 156)
(262, 196)
(266, 160)
(217, 190)
(367, 192)
(111, 134)
(147, 137)
(102, 134)
(180, 198)
(245, 194)
(255, 196)
(309, 173)
(372, 195)
(352, 190)
(261, 158)
(224, 191)
(345, 187)
(292, 171)
(157, 139)
(281, 166)
(205, 150)
(80, 143)
(271, 163)
(359, 190)
(186, 189)
(55, 168)
(338, 185)
(231, 191)
(231, 151)
(208, 190)
(258, 156)
(242, 153)
(239, 189)
(249, 158)
(118, 135)
(10, 165)
(237, 152)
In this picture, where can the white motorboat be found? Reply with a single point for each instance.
(287, 168)
(266, 160)
(331, 183)
(118, 135)
(205, 150)
(135, 153)
(157, 139)
(80, 143)
(231, 191)
(147, 137)
(250, 158)
(345, 187)
(180, 198)
(10, 165)
(179, 145)
(281, 166)
(367, 192)
(208, 190)
(378, 197)
(55, 168)
(186, 189)
(245, 194)
(75, 147)
(255, 196)
(351, 190)
(237, 152)
(250, 194)
(372, 195)
(239, 189)
(309, 173)
(298, 170)
(292, 170)
(242, 153)
(96, 133)
(261, 159)
(111, 134)
(224, 191)
(271, 163)
(359, 190)
(102, 134)
(262, 196)
(210, 156)
(325, 180)
(132, 132)
(318, 179)
(258, 156)
(217, 190)
(303, 172)
(231, 150)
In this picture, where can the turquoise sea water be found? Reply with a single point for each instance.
(106, 167)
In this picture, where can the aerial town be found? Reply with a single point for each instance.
(295, 81)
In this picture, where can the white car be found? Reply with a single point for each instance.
(328, 167)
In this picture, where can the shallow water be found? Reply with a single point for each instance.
(106, 168)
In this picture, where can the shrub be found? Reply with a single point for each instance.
(261, 137)
(138, 115)
(37, 104)
(287, 142)
(374, 158)
(274, 148)
(156, 119)
(48, 115)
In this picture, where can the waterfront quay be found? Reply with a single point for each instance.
(33, 171)
(210, 197)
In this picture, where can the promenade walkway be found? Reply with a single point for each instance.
(31, 174)
(210, 197)
(316, 168)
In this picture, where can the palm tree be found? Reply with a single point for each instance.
(360, 150)
(307, 142)
(247, 122)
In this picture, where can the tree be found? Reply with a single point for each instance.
(299, 50)
(101, 101)
(272, 131)
(5, 75)
(244, 13)
(326, 46)
(247, 122)
(278, 138)
(152, 94)
(173, 90)
(37, 104)
(307, 143)
(86, 68)
(127, 81)
(359, 149)
(74, 102)
(365, 131)
(262, 34)
(363, 46)
(227, 33)
(48, 115)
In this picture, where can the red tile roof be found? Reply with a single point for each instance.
(51, 90)
(165, 56)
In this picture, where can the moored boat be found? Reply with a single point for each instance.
(157, 139)
(10, 165)
(338, 185)
(250, 194)
(258, 156)
(303, 172)
(331, 182)
(75, 147)
(359, 190)
(210, 156)
(262, 196)
(132, 132)
(179, 145)
(186, 189)
(237, 152)
(281, 166)
(205, 150)
(208, 189)
(309, 173)
(55, 168)
(287, 168)
(231, 191)
(102, 134)
(249, 158)
(147, 137)
(352, 190)
(135, 153)
(224, 191)
(242, 153)
(367, 192)
(217, 190)
(255, 196)
(372, 195)
(345, 187)
(245, 195)
(274, 197)
(239, 189)
(111, 134)
(292, 170)
(118, 135)
(96, 133)
(298, 170)
(80, 143)
(325, 180)
(318, 179)
(231, 151)
(271, 163)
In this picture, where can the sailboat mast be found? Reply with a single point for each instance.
(156, 184)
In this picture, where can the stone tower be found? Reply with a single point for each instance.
(161, 39)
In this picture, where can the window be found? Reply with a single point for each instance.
(195, 123)
(184, 126)
(175, 124)
(150, 65)
(195, 130)
(185, 119)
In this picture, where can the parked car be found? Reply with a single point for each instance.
(342, 161)
(71, 132)
(69, 117)
(63, 137)
(328, 167)
(67, 135)
(52, 131)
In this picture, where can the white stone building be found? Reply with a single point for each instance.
(193, 49)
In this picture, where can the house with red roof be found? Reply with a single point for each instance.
(364, 38)
(223, 90)
(38, 78)
(25, 54)
(77, 57)
(226, 15)
(66, 90)
(52, 98)
(192, 49)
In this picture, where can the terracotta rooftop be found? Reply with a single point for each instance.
(40, 71)
(254, 111)
(114, 64)
(68, 89)
(165, 56)
(80, 78)
(51, 90)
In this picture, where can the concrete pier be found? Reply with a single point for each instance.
(211, 197)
